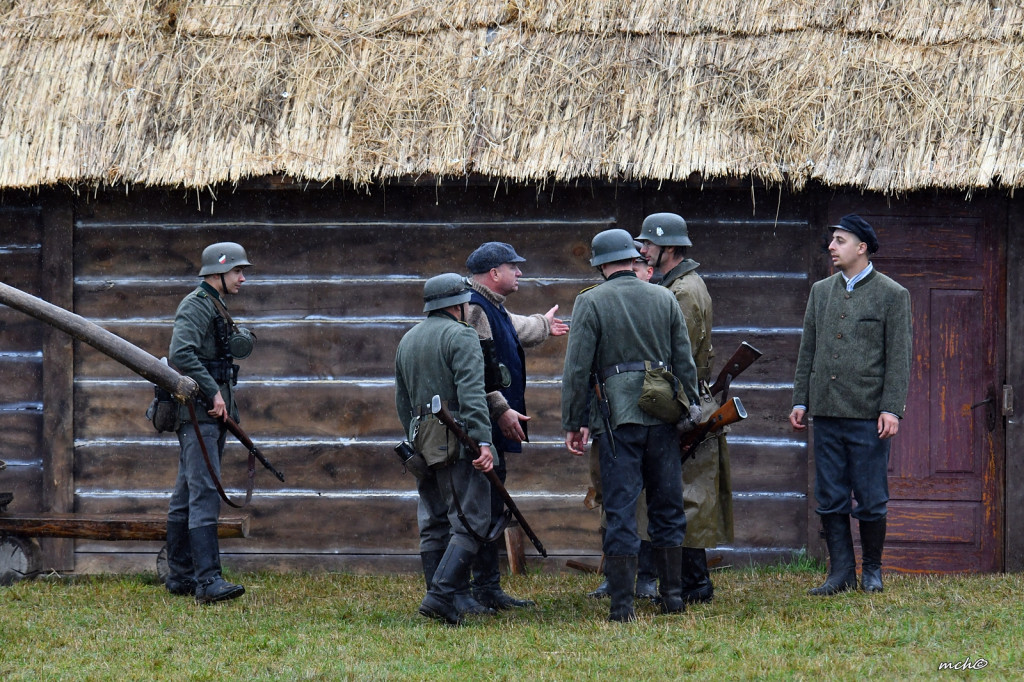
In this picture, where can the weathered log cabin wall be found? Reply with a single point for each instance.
(337, 280)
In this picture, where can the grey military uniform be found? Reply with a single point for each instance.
(441, 356)
(620, 321)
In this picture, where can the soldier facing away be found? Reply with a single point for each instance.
(441, 356)
(620, 329)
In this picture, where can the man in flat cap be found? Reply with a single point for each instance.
(852, 375)
(494, 267)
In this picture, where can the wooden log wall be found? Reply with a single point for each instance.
(337, 281)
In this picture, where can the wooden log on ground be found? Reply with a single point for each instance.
(106, 526)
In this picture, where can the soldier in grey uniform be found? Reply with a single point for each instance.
(621, 328)
(707, 484)
(203, 347)
(441, 356)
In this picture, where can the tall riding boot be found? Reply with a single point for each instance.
(430, 558)
(452, 571)
(487, 581)
(842, 569)
(181, 573)
(621, 574)
(646, 573)
(669, 561)
(210, 586)
(602, 590)
(872, 538)
(697, 587)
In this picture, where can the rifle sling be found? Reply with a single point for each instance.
(499, 525)
(209, 465)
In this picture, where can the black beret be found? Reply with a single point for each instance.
(490, 255)
(860, 227)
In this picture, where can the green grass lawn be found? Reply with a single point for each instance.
(762, 625)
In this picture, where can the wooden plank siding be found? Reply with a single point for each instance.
(337, 281)
(21, 360)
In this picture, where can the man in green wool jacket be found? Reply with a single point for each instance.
(852, 374)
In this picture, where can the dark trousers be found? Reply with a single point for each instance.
(849, 457)
(195, 499)
(645, 457)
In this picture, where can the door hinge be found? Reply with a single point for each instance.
(1007, 400)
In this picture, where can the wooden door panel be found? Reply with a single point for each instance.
(944, 466)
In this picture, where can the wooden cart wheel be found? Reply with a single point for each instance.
(20, 559)
(161, 564)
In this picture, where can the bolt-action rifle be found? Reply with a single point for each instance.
(729, 413)
(744, 357)
(437, 407)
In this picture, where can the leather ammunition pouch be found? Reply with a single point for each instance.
(222, 371)
(163, 411)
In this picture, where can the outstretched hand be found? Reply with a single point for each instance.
(558, 328)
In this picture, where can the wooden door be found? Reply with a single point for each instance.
(946, 463)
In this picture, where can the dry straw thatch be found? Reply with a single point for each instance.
(888, 96)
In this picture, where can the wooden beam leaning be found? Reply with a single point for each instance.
(106, 526)
(139, 361)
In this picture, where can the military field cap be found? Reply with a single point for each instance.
(490, 255)
(445, 290)
(860, 228)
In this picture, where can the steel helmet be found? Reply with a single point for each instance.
(665, 229)
(612, 245)
(223, 257)
(445, 290)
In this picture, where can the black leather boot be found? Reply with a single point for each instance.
(487, 581)
(697, 587)
(210, 586)
(872, 538)
(646, 573)
(430, 559)
(669, 562)
(621, 574)
(842, 565)
(602, 590)
(181, 572)
(452, 571)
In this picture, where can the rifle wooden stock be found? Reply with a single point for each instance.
(729, 413)
(744, 357)
(441, 412)
(183, 388)
(244, 439)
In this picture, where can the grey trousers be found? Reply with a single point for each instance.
(437, 515)
(195, 500)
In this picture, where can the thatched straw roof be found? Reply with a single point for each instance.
(887, 96)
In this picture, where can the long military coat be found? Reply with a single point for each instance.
(707, 482)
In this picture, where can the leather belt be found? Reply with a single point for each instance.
(638, 366)
(424, 410)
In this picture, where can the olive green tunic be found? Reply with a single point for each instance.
(441, 356)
